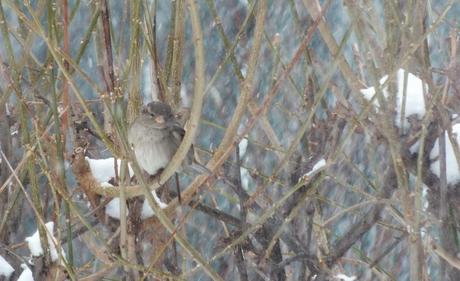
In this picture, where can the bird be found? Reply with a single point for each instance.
(155, 135)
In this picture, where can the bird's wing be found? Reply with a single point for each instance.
(178, 133)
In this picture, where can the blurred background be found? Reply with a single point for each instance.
(311, 180)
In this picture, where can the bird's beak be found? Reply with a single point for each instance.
(160, 119)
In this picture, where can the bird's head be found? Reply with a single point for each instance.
(159, 112)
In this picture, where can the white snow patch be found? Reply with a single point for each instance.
(344, 277)
(113, 207)
(186, 99)
(5, 268)
(243, 146)
(245, 178)
(244, 70)
(104, 169)
(425, 198)
(106, 184)
(216, 96)
(7, 109)
(415, 101)
(26, 274)
(452, 169)
(415, 147)
(147, 211)
(35, 245)
(320, 164)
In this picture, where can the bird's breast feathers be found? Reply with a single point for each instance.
(152, 148)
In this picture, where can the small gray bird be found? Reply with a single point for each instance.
(155, 137)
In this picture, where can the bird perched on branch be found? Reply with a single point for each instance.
(155, 136)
